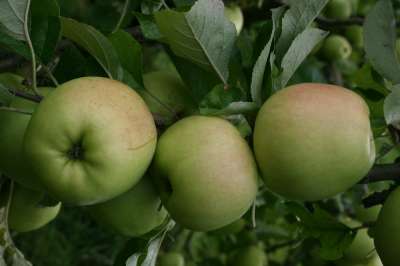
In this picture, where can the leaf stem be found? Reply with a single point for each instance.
(123, 14)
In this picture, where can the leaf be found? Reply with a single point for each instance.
(96, 44)
(392, 108)
(71, 65)
(261, 63)
(45, 34)
(241, 123)
(130, 54)
(150, 6)
(148, 26)
(203, 35)
(14, 45)
(300, 15)
(5, 96)
(300, 48)
(12, 17)
(380, 40)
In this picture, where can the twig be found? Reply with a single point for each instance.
(27, 96)
(123, 14)
(283, 245)
(332, 23)
(376, 198)
(382, 172)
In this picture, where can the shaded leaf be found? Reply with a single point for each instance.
(148, 26)
(14, 45)
(45, 34)
(12, 17)
(392, 108)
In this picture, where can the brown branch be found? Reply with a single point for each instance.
(327, 23)
(283, 245)
(383, 172)
(27, 96)
(377, 198)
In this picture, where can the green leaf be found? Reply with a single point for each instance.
(130, 54)
(71, 65)
(14, 45)
(300, 48)
(392, 108)
(96, 44)
(45, 34)
(150, 6)
(203, 35)
(148, 26)
(380, 40)
(5, 96)
(300, 15)
(45, 8)
(241, 123)
(257, 78)
(12, 17)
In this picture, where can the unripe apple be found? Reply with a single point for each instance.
(133, 213)
(338, 9)
(355, 35)
(234, 13)
(336, 47)
(12, 132)
(313, 141)
(90, 140)
(171, 259)
(387, 230)
(232, 228)
(365, 6)
(169, 96)
(25, 213)
(205, 173)
(252, 255)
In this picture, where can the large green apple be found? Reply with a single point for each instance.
(12, 130)
(90, 140)
(252, 255)
(169, 96)
(205, 173)
(313, 141)
(25, 213)
(387, 230)
(336, 47)
(171, 259)
(234, 13)
(338, 9)
(133, 213)
(232, 228)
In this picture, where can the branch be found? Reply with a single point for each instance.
(27, 96)
(383, 172)
(282, 245)
(377, 198)
(332, 23)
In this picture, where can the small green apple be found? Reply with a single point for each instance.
(338, 9)
(252, 255)
(336, 47)
(387, 230)
(205, 173)
(90, 140)
(171, 259)
(355, 35)
(168, 97)
(25, 213)
(234, 13)
(12, 132)
(313, 141)
(133, 213)
(365, 6)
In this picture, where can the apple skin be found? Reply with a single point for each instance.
(336, 47)
(171, 259)
(170, 90)
(252, 255)
(25, 214)
(134, 213)
(234, 13)
(12, 132)
(387, 230)
(90, 140)
(232, 228)
(313, 141)
(205, 173)
(355, 35)
(338, 9)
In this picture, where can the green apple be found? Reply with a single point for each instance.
(12, 131)
(133, 213)
(338, 9)
(336, 47)
(232, 228)
(90, 140)
(354, 6)
(313, 141)
(365, 6)
(171, 259)
(387, 230)
(252, 255)
(205, 173)
(234, 13)
(25, 213)
(355, 35)
(168, 97)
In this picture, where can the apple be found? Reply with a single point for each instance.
(365, 6)
(252, 255)
(375, 261)
(25, 213)
(355, 35)
(12, 131)
(336, 47)
(205, 173)
(90, 140)
(171, 259)
(387, 230)
(338, 9)
(234, 13)
(232, 228)
(168, 97)
(133, 213)
(354, 6)
(313, 141)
